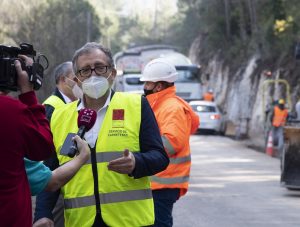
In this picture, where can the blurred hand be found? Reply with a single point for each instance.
(124, 165)
(83, 148)
(23, 79)
(43, 222)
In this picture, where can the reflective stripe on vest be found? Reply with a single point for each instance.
(107, 156)
(168, 145)
(111, 155)
(173, 180)
(119, 130)
(113, 197)
(180, 160)
(54, 101)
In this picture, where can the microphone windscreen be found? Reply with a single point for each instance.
(87, 118)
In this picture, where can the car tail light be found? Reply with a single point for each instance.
(215, 116)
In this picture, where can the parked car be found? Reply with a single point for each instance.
(210, 115)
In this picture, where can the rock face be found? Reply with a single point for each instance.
(243, 93)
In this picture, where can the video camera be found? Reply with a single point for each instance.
(8, 73)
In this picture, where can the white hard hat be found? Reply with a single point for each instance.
(159, 70)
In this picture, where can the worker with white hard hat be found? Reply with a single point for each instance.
(158, 70)
(176, 121)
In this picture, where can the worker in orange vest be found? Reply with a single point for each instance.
(279, 117)
(176, 121)
(209, 96)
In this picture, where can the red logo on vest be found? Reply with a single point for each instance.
(118, 114)
(118, 118)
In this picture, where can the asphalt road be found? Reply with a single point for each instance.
(234, 186)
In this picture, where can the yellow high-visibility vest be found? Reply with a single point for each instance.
(54, 101)
(125, 201)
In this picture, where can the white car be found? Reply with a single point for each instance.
(210, 116)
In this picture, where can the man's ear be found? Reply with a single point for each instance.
(62, 78)
(114, 73)
(159, 86)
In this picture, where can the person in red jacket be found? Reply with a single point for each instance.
(24, 133)
(176, 121)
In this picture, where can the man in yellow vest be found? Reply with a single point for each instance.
(176, 121)
(113, 188)
(66, 88)
(66, 91)
(279, 117)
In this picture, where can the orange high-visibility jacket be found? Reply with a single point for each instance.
(208, 97)
(176, 121)
(279, 117)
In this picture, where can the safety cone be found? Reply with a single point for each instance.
(269, 148)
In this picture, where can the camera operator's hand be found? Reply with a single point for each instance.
(23, 78)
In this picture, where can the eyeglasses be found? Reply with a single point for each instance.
(99, 70)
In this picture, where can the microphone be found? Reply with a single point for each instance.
(86, 120)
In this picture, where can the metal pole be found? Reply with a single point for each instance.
(88, 26)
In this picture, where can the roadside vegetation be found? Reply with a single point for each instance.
(236, 29)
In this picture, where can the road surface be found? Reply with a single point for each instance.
(234, 186)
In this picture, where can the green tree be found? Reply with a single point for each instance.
(128, 22)
(58, 28)
(237, 28)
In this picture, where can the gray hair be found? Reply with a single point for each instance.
(62, 70)
(87, 48)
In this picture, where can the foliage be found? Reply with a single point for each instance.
(110, 15)
(234, 28)
(239, 27)
(57, 28)
(143, 25)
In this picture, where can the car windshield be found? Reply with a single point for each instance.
(186, 76)
(204, 108)
(134, 81)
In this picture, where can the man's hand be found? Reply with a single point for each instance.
(43, 222)
(124, 165)
(23, 78)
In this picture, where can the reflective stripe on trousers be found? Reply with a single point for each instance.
(106, 198)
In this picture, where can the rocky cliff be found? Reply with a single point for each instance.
(241, 89)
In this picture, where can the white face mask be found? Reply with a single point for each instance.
(95, 86)
(77, 91)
